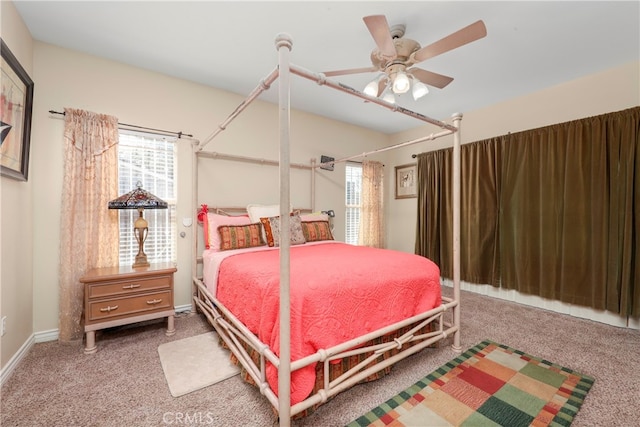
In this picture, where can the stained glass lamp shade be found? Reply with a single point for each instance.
(139, 199)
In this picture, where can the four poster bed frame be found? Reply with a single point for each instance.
(237, 337)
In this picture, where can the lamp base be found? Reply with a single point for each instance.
(141, 261)
(140, 231)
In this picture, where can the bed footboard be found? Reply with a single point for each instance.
(338, 368)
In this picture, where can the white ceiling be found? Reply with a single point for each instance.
(230, 45)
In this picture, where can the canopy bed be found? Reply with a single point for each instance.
(301, 332)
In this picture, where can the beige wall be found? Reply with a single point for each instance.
(70, 79)
(16, 229)
(30, 211)
(612, 90)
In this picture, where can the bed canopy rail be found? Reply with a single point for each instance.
(321, 79)
(430, 137)
(265, 84)
(234, 332)
(221, 156)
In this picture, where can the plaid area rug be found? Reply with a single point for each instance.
(488, 385)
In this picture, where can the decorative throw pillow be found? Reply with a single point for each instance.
(316, 216)
(240, 236)
(216, 220)
(271, 227)
(263, 211)
(315, 231)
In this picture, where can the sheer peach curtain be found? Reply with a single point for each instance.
(88, 230)
(372, 214)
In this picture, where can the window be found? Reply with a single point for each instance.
(151, 160)
(353, 202)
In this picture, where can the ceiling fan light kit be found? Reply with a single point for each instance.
(371, 89)
(388, 96)
(395, 56)
(401, 83)
(419, 89)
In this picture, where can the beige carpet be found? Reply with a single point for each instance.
(193, 363)
(57, 385)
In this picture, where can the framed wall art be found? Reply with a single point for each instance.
(16, 102)
(406, 181)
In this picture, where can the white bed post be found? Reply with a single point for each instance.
(313, 185)
(194, 235)
(456, 231)
(284, 43)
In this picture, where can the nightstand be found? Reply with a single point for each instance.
(115, 296)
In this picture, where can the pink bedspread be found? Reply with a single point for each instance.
(338, 292)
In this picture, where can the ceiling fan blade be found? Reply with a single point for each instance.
(379, 29)
(430, 78)
(382, 85)
(350, 71)
(470, 33)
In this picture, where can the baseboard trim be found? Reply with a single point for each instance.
(183, 308)
(46, 336)
(13, 363)
(601, 316)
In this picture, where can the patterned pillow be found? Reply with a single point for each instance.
(240, 236)
(271, 227)
(315, 231)
(256, 212)
(217, 220)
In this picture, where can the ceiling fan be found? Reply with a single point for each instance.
(395, 57)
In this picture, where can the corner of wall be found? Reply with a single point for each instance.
(17, 242)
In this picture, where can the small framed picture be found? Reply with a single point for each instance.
(406, 181)
(15, 109)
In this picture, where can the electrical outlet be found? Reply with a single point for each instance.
(3, 328)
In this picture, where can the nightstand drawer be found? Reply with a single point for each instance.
(107, 289)
(129, 306)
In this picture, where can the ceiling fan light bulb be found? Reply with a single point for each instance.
(401, 83)
(419, 90)
(371, 89)
(388, 96)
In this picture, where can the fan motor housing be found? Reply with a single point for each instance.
(404, 48)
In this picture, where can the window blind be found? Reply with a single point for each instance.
(353, 201)
(151, 160)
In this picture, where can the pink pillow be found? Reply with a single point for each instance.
(216, 220)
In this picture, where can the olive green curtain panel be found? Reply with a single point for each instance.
(480, 180)
(551, 212)
(434, 209)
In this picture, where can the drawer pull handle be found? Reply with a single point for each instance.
(132, 286)
(154, 301)
(109, 308)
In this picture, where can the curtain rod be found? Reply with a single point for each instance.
(167, 132)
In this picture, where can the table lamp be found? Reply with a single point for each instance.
(139, 199)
